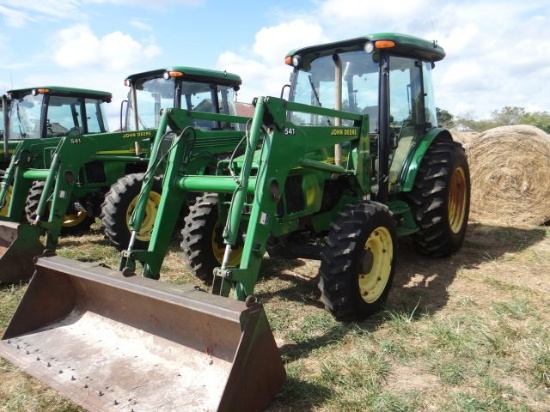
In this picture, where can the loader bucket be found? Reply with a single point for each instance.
(112, 343)
(19, 244)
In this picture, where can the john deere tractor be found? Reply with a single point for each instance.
(352, 160)
(188, 88)
(36, 118)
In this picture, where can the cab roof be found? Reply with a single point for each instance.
(63, 91)
(192, 74)
(405, 45)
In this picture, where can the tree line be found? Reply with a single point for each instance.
(503, 117)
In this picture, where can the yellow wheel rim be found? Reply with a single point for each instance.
(74, 219)
(151, 207)
(71, 219)
(376, 264)
(457, 200)
(4, 210)
(218, 247)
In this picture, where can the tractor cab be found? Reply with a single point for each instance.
(385, 76)
(51, 111)
(179, 87)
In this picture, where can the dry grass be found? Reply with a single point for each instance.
(467, 333)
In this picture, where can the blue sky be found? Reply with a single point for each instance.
(498, 51)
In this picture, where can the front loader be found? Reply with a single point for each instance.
(348, 163)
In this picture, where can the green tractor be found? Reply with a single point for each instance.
(38, 117)
(350, 162)
(58, 186)
(187, 88)
(48, 113)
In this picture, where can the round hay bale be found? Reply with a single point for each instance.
(510, 176)
(463, 137)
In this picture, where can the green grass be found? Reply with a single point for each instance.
(461, 334)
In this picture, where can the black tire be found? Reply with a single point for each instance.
(440, 199)
(75, 222)
(358, 261)
(202, 242)
(118, 206)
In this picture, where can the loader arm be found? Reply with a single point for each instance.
(29, 158)
(274, 147)
(62, 178)
(188, 145)
(57, 162)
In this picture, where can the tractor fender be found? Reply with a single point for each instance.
(418, 155)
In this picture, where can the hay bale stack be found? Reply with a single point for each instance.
(510, 175)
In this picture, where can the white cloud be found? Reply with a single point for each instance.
(141, 25)
(498, 52)
(352, 18)
(14, 18)
(95, 61)
(258, 79)
(79, 47)
(361, 10)
(144, 4)
(17, 13)
(272, 43)
(262, 67)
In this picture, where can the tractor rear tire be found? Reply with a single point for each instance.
(74, 223)
(440, 199)
(202, 244)
(118, 206)
(358, 261)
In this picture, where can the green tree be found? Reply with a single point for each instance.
(444, 118)
(508, 115)
(538, 119)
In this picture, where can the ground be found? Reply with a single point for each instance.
(465, 333)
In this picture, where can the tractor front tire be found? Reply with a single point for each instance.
(358, 261)
(440, 199)
(118, 206)
(75, 222)
(202, 244)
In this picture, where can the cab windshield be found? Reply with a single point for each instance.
(61, 115)
(347, 81)
(155, 94)
(24, 116)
